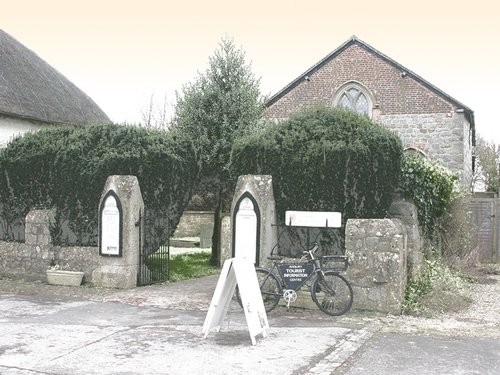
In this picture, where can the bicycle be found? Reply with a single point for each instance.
(331, 292)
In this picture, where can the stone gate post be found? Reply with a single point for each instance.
(377, 264)
(253, 213)
(120, 208)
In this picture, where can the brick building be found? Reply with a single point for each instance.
(358, 77)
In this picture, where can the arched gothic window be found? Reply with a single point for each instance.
(355, 98)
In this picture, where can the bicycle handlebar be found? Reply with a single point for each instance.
(309, 252)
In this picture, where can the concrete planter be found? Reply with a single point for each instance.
(67, 278)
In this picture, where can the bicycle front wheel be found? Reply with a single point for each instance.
(332, 293)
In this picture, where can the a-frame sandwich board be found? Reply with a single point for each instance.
(239, 272)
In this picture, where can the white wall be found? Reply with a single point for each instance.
(12, 127)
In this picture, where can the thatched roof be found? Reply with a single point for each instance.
(32, 89)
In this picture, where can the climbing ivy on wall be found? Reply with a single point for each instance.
(325, 159)
(66, 169)
(431, 188)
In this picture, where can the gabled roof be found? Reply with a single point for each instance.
(31, 89)
(355, 41)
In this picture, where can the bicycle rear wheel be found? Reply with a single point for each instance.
(332, 293)
(270, 288)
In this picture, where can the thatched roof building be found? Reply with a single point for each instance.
(32, 90)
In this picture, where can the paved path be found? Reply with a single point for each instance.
(157, 330)
(39, 336)
(399, 354)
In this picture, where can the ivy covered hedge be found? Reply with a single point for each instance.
(325, 159)
(66, 168)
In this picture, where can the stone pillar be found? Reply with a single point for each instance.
(120, 209)
(225, 238)
(377, 264)
(253, 211)
(407, 212)
(33, 259)
(37, 229)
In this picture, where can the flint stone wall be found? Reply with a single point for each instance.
(31, 259)
(441, 136)
(377, 264)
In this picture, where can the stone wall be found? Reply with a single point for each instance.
(440, 136)
(192, 223)
(196, 224)
(406, 211)
(31, 259)
(377, 264)
(19, 260)
(37, 227)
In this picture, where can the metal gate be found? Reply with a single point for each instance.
(154, 254)
(485, 209)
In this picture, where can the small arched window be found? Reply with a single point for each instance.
(414, 152)
(354, 97)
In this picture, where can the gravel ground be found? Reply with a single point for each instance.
(480, 319)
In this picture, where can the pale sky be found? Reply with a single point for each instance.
(121, 52)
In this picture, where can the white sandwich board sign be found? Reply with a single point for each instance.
(241, 272)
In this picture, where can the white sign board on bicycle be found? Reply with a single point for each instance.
(313, 219)
(239, 272)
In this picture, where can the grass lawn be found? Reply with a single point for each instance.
(191, 266)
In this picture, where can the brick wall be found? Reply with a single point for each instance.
(424, 119)
(392, 92)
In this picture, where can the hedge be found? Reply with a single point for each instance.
(66, 169)
(325, 159)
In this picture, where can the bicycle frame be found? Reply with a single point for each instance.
(293, 276)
